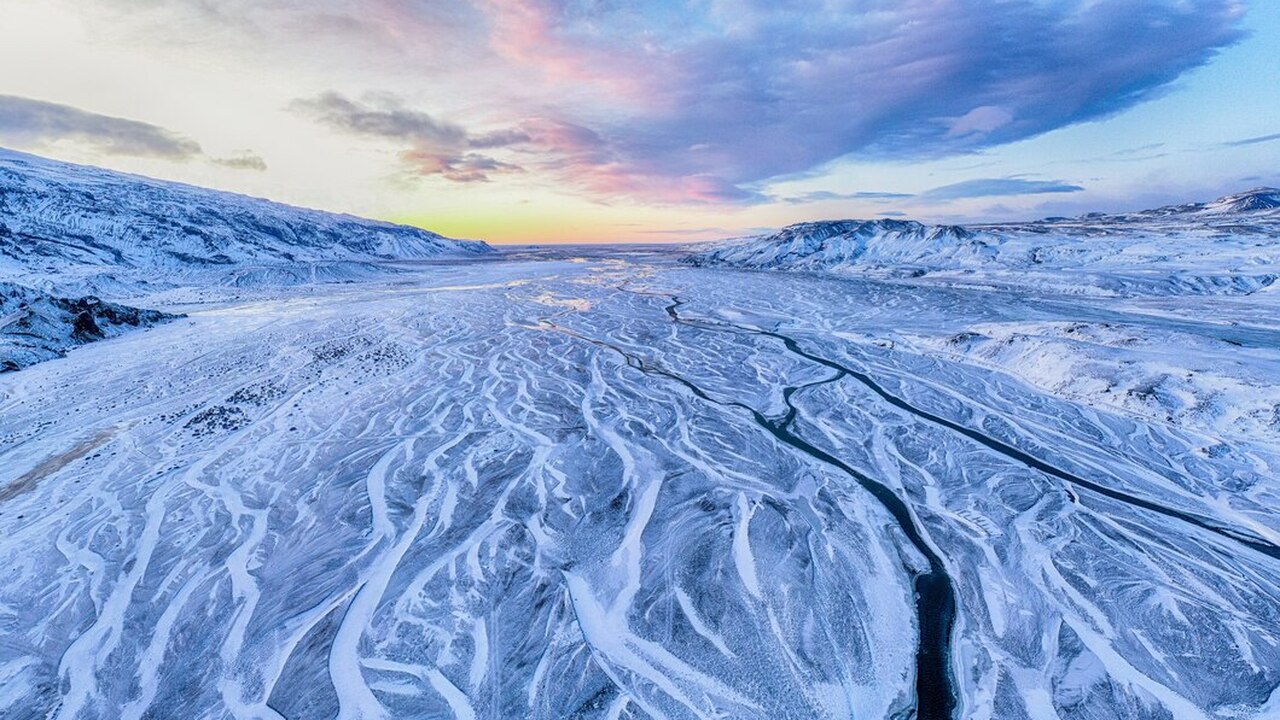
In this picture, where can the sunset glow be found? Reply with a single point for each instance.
(550, 121)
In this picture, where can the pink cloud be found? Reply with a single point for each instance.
(696, 102)
(533, 33)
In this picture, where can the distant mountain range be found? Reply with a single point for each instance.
(1227, 245)
(71, 233)
(1265, 198)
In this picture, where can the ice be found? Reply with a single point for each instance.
(426, 498)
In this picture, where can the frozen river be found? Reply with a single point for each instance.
(612, 486)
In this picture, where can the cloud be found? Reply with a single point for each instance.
(735, 92)
(998, 187)
(30, 122)
(573, 154)
(499, 138)
(385, 117)
(980, 121)
(1253, 140)
(434, 147)
(823, 195)
(468, 167)
(244, 161)
(711, 100)
(34, 123)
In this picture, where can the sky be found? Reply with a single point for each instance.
(536, 121)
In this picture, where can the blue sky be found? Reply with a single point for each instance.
(573, 120)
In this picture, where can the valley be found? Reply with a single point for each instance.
(618, 486)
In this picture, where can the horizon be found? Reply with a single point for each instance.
(540, 122)
(759, 232)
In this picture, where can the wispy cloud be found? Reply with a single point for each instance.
(736, 92)
(1253, 140)
(823, 195)
(998, 187)
(244, 161)
(385, 116)
(434, 147)
(34, 123)
(465, 167)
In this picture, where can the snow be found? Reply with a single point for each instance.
(36, 326)
(75, 229)
(604, 483)
(1226, 247)
(1194, 381)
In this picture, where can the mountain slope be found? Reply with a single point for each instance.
(846, 243)
(70, 234)
(57, 218)
(1265, 198)
(1225, 246)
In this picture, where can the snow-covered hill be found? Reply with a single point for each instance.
(848, 243)
(60, 221)
(70, 234)
(36, 326)
(1228, 246)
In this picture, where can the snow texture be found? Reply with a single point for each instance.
(36, 326)
(96, 231)
(600, 483)
(1228, 246)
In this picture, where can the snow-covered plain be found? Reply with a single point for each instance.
(602, 483)
(616, 486)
